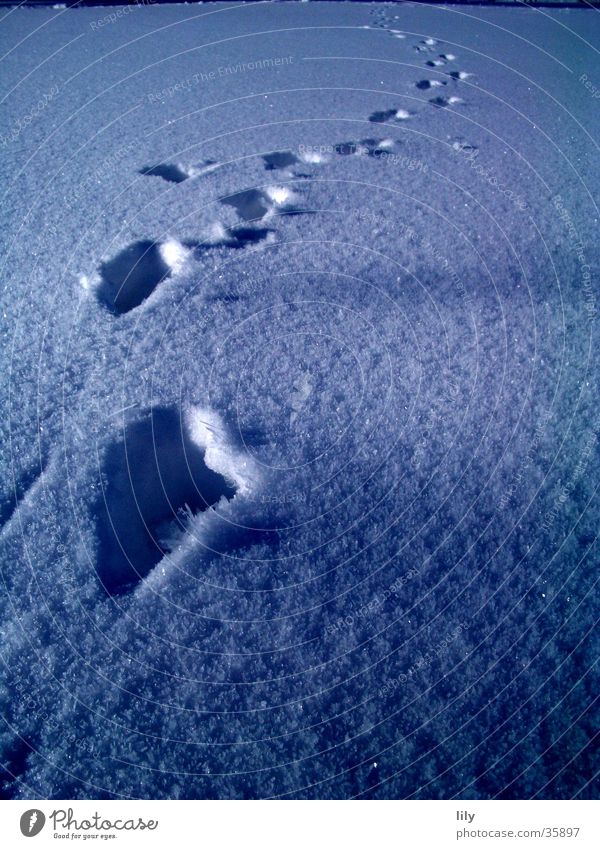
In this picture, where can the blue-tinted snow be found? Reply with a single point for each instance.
(321, 335)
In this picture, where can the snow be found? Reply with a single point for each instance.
(174, 254)
(208, 432)
(299, 453)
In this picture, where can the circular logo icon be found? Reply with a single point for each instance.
(32, 822)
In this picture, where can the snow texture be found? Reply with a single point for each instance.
(301, 401)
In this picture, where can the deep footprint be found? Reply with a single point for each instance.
(254, 204)
(365, 147)
(236, 236)
(442, 102)
(426, 45)
(249, 205)
(461, 145)
(242, 236)
(156, 477)
(390, 115)
(424, 85)
(382, 117)
(170, 173)
(173, 173)
(280, 159)
(131, 276)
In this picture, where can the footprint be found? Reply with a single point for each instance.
(242, 236)
(313, 157)
(130, 277)
(426, 45)
(441, 60)
(365, 147)
(442, 102)
(283, 201)
(174, 173)
(375, 147)
(234, 237)
(424, 85)
(256, 204)
(288, 162)
(250, 204)
(461, 145)
(382, 117)
(158, 479)
(280, 159)
(170, 173)
(390, 115)
(387, 23)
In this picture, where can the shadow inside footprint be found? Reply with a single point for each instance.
(131, 276)
(280, 159)
(156, 478)
(242, 236)
(249, 205)
(170, 173)
(236, 236)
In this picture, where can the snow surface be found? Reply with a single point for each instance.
(299, 310)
